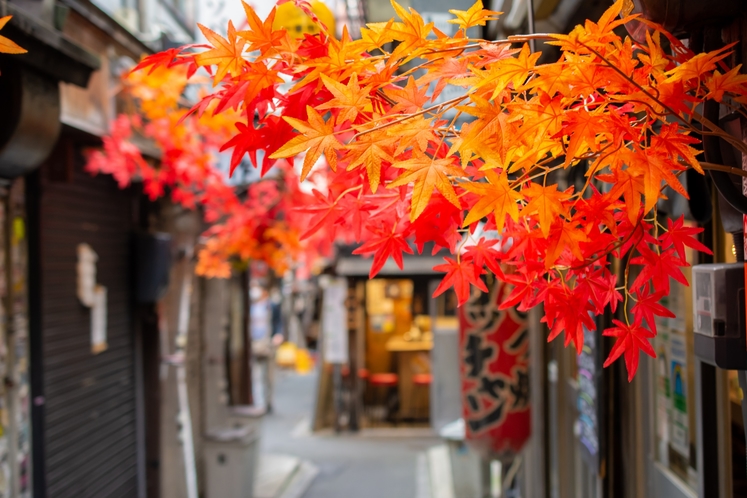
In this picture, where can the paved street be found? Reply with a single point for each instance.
(350, 466)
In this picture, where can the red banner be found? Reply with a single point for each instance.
(494, 348)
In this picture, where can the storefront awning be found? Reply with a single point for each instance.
(359, 266)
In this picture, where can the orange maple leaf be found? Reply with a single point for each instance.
(564, 235)
(547, 202)
(371, 150)
(351, 99)
(427, 173)
(409, 99)
(260, 35)
(655, 168)
(731, 81)
(412, 32)
(317, 137)
(226, 54)
(474, 16)
(496, 197)
(8, 46)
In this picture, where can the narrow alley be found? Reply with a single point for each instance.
(375, 463)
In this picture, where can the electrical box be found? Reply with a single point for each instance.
(719, 315)
(231, 458)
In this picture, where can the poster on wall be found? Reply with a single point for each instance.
(587, 404)
(494, 366)
(679, 431)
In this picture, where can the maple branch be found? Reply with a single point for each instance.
(410, 116)
(720, 167)
(714, 129)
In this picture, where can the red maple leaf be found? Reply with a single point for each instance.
(631, 339)
(483, 253)
(385, 242)
(657, 268)
(648, 305)
(459, 274)
(679, 236)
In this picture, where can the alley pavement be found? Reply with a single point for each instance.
(385, 465)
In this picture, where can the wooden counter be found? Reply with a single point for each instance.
(411, 357)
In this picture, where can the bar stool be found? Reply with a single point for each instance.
(384, 384)
(422, 383)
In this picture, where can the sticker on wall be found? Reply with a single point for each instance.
(93, 296)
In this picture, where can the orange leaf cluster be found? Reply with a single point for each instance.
(410, 167)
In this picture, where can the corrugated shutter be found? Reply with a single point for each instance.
(90, 408)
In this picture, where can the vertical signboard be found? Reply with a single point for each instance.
(335, 321)
(494, 347)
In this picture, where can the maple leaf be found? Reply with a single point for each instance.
(513, 70)
(564, 235)
(496, 196)
(351, 99)
(260, 78)
(371, 150)
(568, 310)
(474, 16)
(158, 60)
(523, 282)
(459, 274)
(677, 143)
(657, 268)
(547, 202)
(326, 211)
(582, 128)
(412, 32)
(226, 54)
(426, 173)
(260, 35)
(244, 142)
(8, 46)
(698, 66)
(647, 305)
(655, 168)
(415, 132)
(679, 236)
(631, 340)
(377, 34)
(409, 99)
(317, 137)
(628, 185)
(483, 253)
(385, 243)
(729, 82)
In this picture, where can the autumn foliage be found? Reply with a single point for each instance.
(404, 167)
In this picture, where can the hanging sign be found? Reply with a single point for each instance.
(494, 348)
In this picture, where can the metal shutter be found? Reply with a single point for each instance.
(89, 420)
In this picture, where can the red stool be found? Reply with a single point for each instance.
(421, 382)
(363, 374)
(386, 382)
